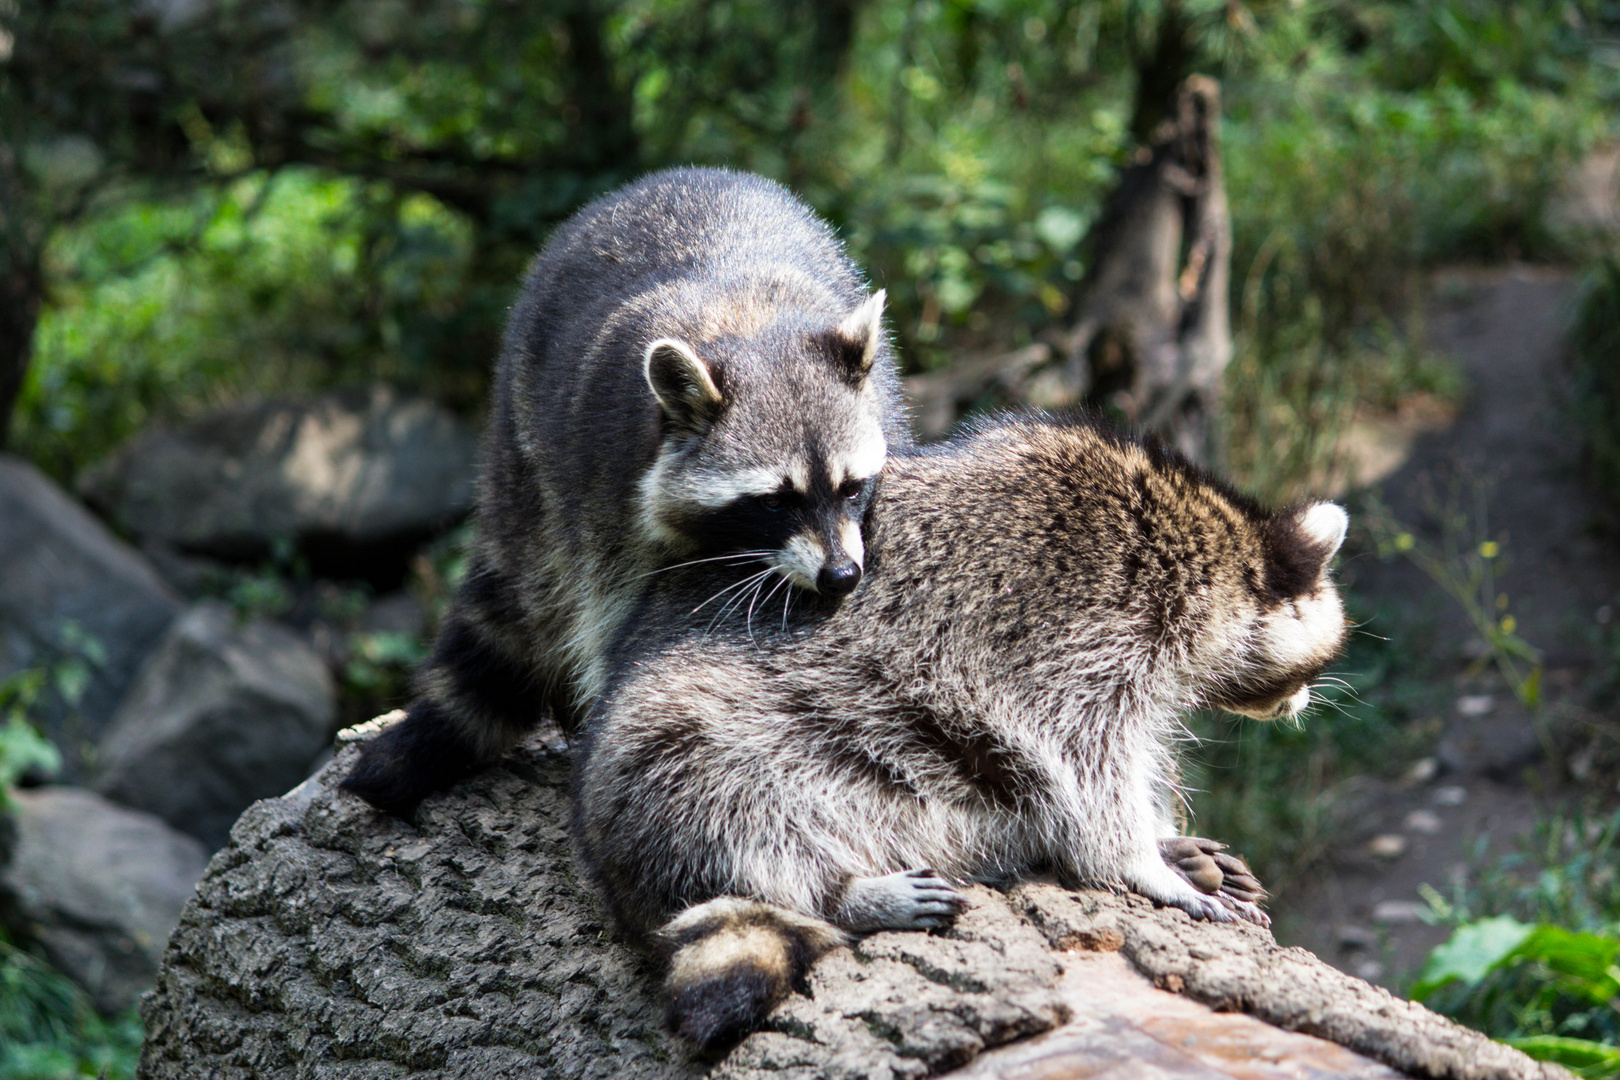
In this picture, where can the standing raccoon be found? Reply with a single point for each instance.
(694, 372)
(1003, 694)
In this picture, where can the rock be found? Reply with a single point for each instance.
(98, 886)
(221, 715)
(362, 468)
(60, 567)
(330, 939)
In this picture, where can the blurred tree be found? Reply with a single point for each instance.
(510, 114)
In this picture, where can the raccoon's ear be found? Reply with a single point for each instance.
(856, 339)
(683, 384)
(1301, 542)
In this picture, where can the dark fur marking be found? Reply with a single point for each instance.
(1294, 561)
(493, 594)
(724, 1007)
(501, 689)
(984, 762)
(421, 754)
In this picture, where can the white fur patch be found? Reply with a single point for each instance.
(1325, 523)
(849, 537)
(798, 473)
(1299, 702)
(861, 463)
(801, 560)
(715, 490)
(1304, 636)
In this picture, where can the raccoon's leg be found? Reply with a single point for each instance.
(907, 900)
(473, 701)
(1206, 866)
(731, 960)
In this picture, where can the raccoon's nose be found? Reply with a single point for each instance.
(838, 580)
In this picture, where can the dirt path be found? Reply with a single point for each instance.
(1487, 778)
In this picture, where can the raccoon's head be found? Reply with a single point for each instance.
(1291, 624)
(772, 444)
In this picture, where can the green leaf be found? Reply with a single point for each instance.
(1583, 1056)
(21, 749)
(1473, 950)
(1585, 962)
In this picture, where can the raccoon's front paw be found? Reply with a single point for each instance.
(907, 900)
(1206, 866)
(1159, 883)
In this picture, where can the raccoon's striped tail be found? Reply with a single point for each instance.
(731, 960)
(472, 702)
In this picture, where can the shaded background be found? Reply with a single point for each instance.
(206, 203)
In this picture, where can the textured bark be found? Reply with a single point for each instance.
(328, 940)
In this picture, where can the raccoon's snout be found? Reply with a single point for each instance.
(839, 580)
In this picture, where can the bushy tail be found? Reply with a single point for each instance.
(473, 701)
(731, 960)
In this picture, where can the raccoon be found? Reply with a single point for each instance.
(1044, 599)
(693, 373)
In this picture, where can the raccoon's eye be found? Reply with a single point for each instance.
(852, 490)
(771, 502)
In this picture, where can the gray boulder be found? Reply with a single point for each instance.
(222, 715)
(358, 467)
(60, 567)
(98, 886)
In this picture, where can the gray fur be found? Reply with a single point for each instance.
(695, 339)
(1002, 694)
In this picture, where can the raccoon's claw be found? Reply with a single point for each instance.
(1206, 866)
(907, 900)
(1200, 906)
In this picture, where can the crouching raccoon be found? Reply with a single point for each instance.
(693, 373)
(1002, 695)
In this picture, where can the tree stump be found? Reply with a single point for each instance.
(1151, 336)
(328, 940)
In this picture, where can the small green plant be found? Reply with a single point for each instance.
(1466, 564)
(60, 680)
(1534, 959)
(1551, 992)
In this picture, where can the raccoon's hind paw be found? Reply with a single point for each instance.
(1206, 866)
(409, 761)
(907, 900)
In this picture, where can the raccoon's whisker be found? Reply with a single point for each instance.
(759, 600)
(750, 579)
(786, 601)
(735, 556)
(753, 584)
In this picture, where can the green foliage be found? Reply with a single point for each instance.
(1466, 565)
(963, 145)
(49, 1031)
(1540, 987)
(1549, 985)
(276, 281)
(59, 681)
(1595, 343)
